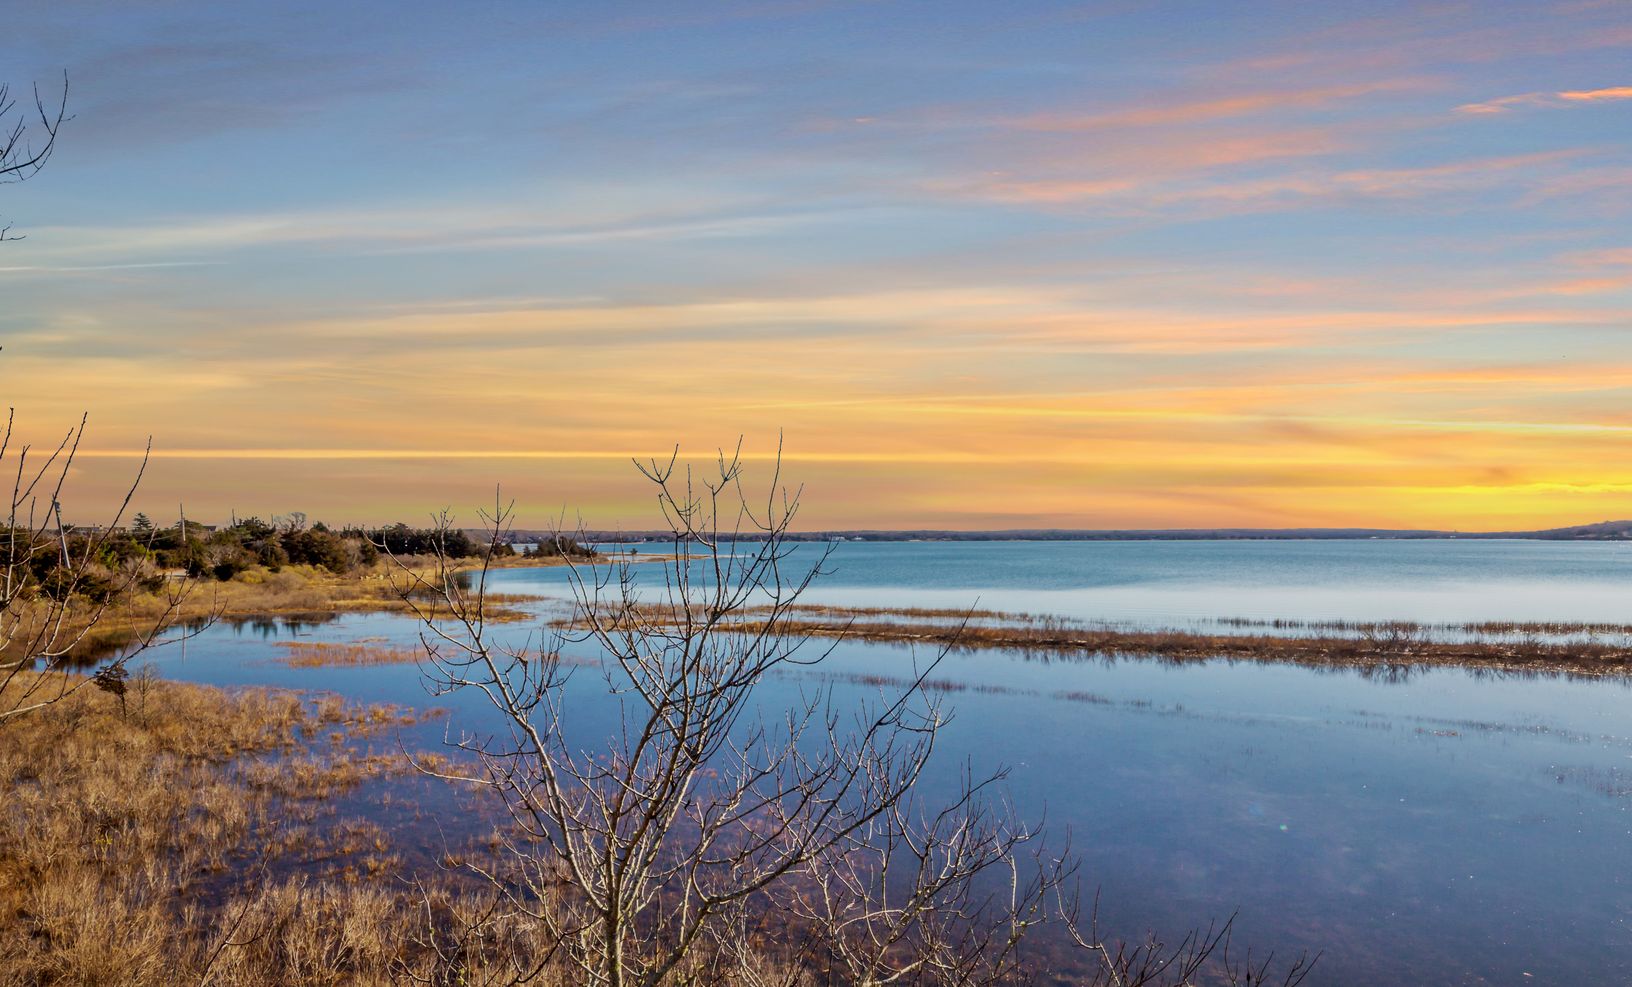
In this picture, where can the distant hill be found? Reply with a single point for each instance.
(1602, 531)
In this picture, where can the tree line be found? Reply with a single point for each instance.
(143, 552)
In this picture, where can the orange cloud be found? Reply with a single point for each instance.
(1612, 257)
(1547, 99)
(1170, 177)
(1215, 108)
(1597, 95)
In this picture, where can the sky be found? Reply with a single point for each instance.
(972, 264)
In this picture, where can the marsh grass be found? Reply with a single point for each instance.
(129, 823)
(1564, 648)
(1574, 648)
(1487, 628)
(189, 834)
(328, 654)
(974, 615)
(293, 591)
(296, 589)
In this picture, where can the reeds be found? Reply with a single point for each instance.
(329, 654)
(188, 834)
(293, 590)
(1487, 628)
(1379, 644)
(127, 820)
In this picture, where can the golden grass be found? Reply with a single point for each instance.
(297, 589)
(1575, 649)
(186, 835)
(329, 654)
(123, 820)
(293, 592)
(1387, 644)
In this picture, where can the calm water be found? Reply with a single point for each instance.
(1441, 827)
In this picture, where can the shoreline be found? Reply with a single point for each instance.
(293, 592)
(1515, 647)
(1578, 649)
(1603, 531)
(1594, 660)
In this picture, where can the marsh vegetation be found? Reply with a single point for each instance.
(157, 831)
(704, 839)
(1591, 649)
(142, 831)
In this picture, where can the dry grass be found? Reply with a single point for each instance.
(187, 835)
(328, 654)
(308, 590)
(123, 820)
(1392, 644)
(1488, 628)
(911, 613)
(292, 591)
(1573, 649)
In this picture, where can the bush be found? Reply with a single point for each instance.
(94, 582)
(318, 547)
(270, 553)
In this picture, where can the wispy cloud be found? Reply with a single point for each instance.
(1542, 174)
(1210, 108)
(94, 268)
(1609, 257)
(1442, 36)
(1133, 272)
(1548, 100)
(410, 227)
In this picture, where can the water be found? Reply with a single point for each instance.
(1439, 827)
(1162, 583)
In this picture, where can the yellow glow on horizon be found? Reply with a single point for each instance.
(982, 406)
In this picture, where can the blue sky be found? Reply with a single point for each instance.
(983, 264)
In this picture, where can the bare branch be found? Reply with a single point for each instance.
(28, 140)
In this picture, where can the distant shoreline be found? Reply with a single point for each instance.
(1602, 531)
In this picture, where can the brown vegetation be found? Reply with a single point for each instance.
(185, 834)
(134, 823)
(827, 610)
(313, 590)
(329, 654)
(298, 592)
(1485, 628)
(180, 833)
(1374, 645)
(1586, 649)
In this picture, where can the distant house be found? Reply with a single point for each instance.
(94, 529)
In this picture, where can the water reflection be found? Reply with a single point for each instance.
(1416, 824)
(101, 646)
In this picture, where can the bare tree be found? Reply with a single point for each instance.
(56, 586)
(1202, 956)
(945, 896)
(642, 858)
(702, 840)
(27, 139)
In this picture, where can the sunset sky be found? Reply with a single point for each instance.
(982, 265)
